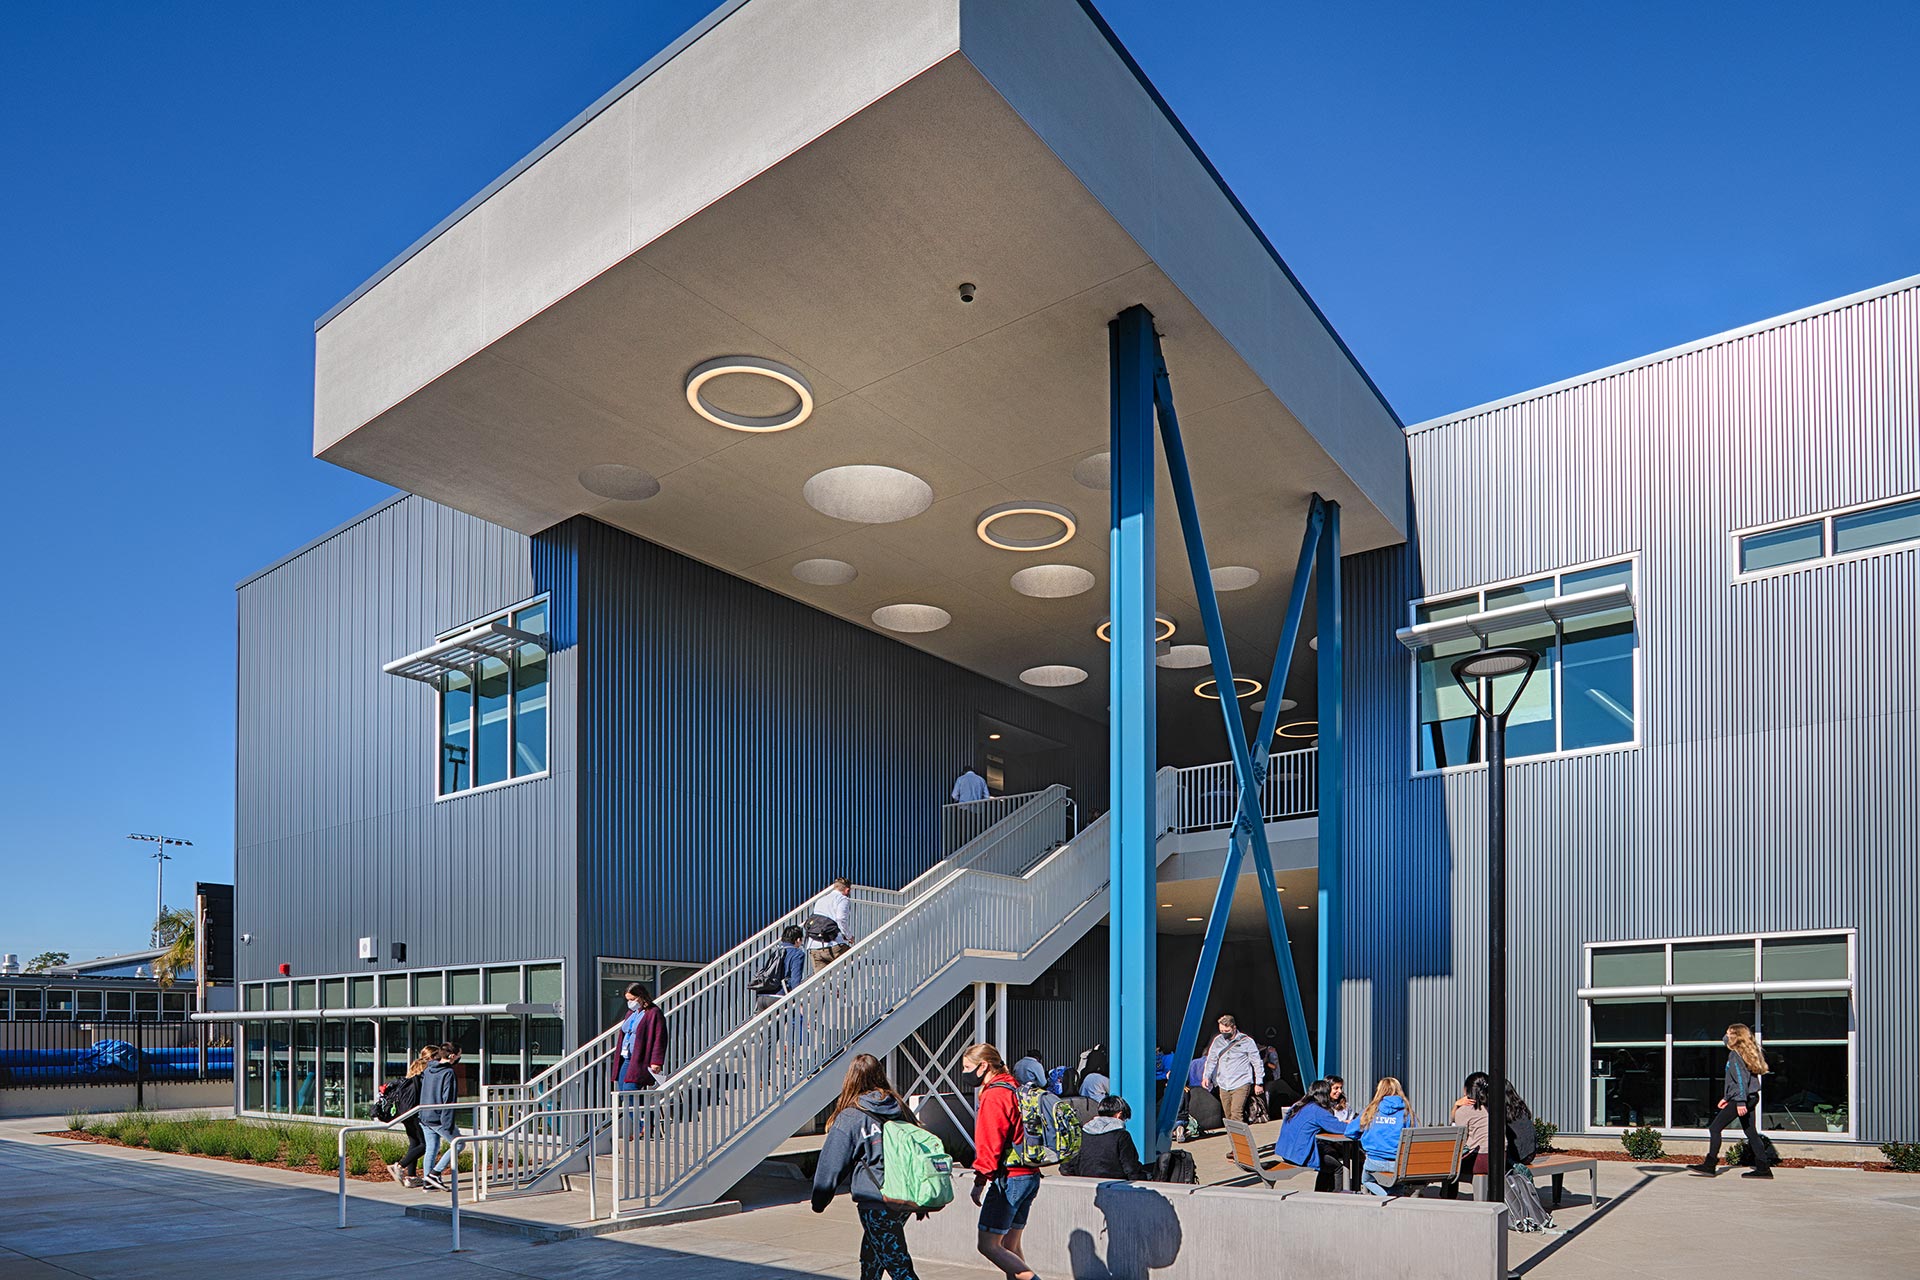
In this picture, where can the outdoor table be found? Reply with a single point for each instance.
(1339, 1154)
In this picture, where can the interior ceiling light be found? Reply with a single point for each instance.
(1313, 643)
(825, 573)
(1008, 510)
(1181, 657)
(911, 618)
(1052, 581)
(1243, 687)
(1234, 577)
(1301, 907)
(1052, 677)
(1163, 629)
(1286, 704)
(1094, 471)
(621, 483)
(1195, 919)
(993, 737)
(752, 366)
(868, 494)
(1299, 730)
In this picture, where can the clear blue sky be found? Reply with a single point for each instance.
(1482, 199)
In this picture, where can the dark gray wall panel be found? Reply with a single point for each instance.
(1775, 787)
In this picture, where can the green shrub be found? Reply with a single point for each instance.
(359, 1161)
(164, 1135)
(329, 1160)
(214, 1140)
(389, 1149)
(1544, 1132)
(1903, 1156)
(1643, 1143)
(76, 1120)
(252, 1142)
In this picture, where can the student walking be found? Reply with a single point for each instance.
(785, 969)
(1005, 1194)
(1233, 1064)
(855, 1152)
(405, 1097)
(1740, 1096)
(438, 1091)
(1379, 1128)
(643, 1041)
(829, 926)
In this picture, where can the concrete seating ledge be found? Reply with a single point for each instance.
(1083, 1227)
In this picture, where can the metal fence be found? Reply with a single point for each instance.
(60, 1055)
(1210, 793)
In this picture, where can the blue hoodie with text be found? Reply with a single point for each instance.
(1381, 1139)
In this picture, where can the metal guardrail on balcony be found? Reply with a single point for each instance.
(1210, 794)
(960, 823)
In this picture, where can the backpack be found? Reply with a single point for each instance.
(383, 1105)
(822, 928)
(1057, 1080)
(1176, 1167)
(1760, 1153)
(1257, 1112)
(1525, 1212)
(1052, 1128)
(915, 1170)
(771, 978)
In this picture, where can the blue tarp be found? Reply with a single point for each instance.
(107, 1062)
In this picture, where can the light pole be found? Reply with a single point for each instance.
(1478, 675)
(160, 858)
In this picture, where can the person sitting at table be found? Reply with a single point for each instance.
(1468, 1114)
(1298, 1142)
(1379, 1128)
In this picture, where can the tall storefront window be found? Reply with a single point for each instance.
(1581, 695)
(493, 714)
(1657, 1013)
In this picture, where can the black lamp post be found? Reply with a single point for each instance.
(1476, 674)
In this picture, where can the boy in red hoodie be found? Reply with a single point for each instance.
(1005, 1195)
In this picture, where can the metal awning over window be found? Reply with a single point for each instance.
(462, 652)
(531, 1010)
(1490, 623)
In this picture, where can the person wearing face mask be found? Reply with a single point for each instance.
(643, 1041)
(1005, 1195)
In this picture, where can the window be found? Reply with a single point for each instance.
(1658, 1012)
(493, 715)
(1582, 695)
(1838, 533)
(659, 976)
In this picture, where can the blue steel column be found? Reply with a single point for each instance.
(1133, 740)
(1332, 822)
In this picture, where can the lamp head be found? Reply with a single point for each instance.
(1494, 664)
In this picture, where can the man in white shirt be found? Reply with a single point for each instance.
(1233, 1063)
(836, 904)
(969, 786)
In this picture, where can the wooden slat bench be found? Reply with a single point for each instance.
(1557, 1167)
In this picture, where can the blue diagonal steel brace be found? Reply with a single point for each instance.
(1254, 831)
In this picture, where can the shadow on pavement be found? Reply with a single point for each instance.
(1648, 1174)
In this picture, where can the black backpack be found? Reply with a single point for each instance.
(771, 977)
(822, 929)
(1176, 1167)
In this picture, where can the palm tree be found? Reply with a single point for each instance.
(178, 932)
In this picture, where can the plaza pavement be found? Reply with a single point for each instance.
(71, 1208)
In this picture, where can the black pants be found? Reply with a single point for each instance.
(883, 1241)
(1725, 1116)
(416, 1146)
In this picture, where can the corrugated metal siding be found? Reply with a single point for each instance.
(337, 833)
(739, 749)
(1780, 718)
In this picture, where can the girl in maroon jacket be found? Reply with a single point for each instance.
(643, 1041)
(1005, 1195)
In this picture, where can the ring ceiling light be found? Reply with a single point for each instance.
(825, 573)
(1052, 581)
(1094, 471)
(911, 618)
(1006, 510)
(621, 483)
(1234, 577)
(1243, 687)
(1300, 730)
(1181, 657)
(1052, 677)
(792, 379)
(868, 494)
(1163, 629)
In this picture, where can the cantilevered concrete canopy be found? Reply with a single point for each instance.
(809, 182)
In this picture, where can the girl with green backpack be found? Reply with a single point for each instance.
(895, 1169)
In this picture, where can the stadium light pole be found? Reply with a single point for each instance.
(160, 858)
(1479, 676)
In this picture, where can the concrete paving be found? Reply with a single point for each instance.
(71, 1208)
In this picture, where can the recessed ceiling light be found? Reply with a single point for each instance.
(1163, 629)
(1243, 687)
(1052, 677)
(1095, 471)
(911, 618)
(993, 737)
(1301, 907)
(1047, 541)
(1166, 904)
(1299, 729)
(621, 483)
(753, 366)
(1052, 581)
(1313, 643)
(1234, 577)
(825, 573)
(1184, 656)
(1283, 888)
(1195, 919)
(868, 494)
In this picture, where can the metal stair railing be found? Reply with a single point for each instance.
(716, 1000)
(665, 1136)
(1210, 793)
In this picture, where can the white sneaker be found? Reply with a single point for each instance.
(398, 1174)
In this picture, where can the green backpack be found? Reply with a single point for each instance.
(916, 1171)
(1051, 1127)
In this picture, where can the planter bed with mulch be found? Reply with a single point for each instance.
(302, 1148)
